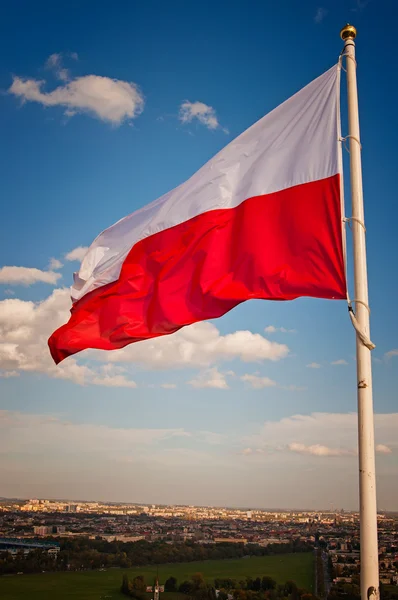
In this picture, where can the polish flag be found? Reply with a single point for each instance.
(262, 219)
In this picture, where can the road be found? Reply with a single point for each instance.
(326, 576)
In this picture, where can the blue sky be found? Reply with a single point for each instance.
(221, 413)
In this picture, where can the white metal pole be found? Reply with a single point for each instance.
(367, 475)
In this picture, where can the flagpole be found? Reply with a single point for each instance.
(367, 476)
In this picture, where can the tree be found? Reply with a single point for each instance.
(290, 588)
(267, 583)
(139, 583)
(125, 587)
(137, 588)
(256, 586)
(198, 581)
(170, 585)
(225, 583)
(240, 595)
(186, 587)
(249, 583)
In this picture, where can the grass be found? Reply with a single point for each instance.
(101, 585)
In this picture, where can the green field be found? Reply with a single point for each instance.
(96, 585)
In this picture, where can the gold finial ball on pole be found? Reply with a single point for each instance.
(348, 32)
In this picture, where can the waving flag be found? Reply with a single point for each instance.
(262, 219)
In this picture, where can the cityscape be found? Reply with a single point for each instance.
(47, 526)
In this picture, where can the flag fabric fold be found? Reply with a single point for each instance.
(262, 219)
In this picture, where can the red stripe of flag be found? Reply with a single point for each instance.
(276, 247)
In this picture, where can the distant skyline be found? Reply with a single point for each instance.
(103, 109)
(198, 506)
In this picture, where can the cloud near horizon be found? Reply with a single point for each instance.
(319, 450)
(323, 434)
(51, 454)
(40, 430)
(383, 449)
(25, 432)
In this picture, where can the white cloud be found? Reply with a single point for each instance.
(270, 329)
(77, 254)
(24, 330)
(318, 450)
(54, 63)
(253, 452)
(112, 376)
(320, 14)
(168, 386)
(55, 264)
(199, 345)
(110, 100)
(198, 110)
(360, 5)
(341, 361)
(391, 353)
(181, 457)
(8, 374)
(257, 382)
(322, 434)
(211, 438)
(27, 276)
(49, 456)
(40, 433)
(115, 381)
(314, 365)
(293, 388)
(382, 449)
(210, 378)
(247, 451)
(49, 453)
(273, 329)
(70, 370)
